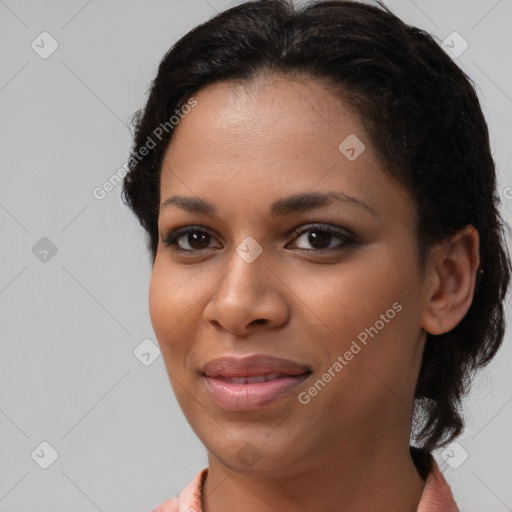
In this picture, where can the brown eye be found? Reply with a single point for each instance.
(188, 239)
(320, 237)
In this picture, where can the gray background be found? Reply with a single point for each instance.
(71, 321)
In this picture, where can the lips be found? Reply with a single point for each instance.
(257, 365)
(252, 382)
(255, 379)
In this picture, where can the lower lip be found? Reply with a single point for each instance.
(244, 397)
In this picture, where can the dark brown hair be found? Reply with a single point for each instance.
(424, 120)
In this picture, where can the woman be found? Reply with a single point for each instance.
(328, 257)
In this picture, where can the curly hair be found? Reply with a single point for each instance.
(423, 118)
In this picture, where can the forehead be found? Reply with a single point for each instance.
(271, 138)
(275, 111)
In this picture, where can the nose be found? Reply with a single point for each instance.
(249, 297)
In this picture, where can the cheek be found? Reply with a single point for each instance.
(169, 297)
(167, 311)
(175, 302)
(353, 297)
(158, 298)
(173, 308)
(167, 308)
(369, 312)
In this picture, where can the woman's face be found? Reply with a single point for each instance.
(251, 279)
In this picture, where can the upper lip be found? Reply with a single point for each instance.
(251, 366)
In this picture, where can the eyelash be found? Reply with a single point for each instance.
(346, 238)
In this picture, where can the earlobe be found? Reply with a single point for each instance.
(449, 293)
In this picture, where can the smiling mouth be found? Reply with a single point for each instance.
(254, 379)
(252, 393)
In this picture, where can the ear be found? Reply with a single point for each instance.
(452, 282)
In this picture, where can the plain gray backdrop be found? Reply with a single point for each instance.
(88, 420)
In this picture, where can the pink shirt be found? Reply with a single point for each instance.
(437, 495)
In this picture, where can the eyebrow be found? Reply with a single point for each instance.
(296, 203)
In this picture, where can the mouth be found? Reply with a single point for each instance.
(255, 379)
(256, 365)
(245, 394)
(253, 382)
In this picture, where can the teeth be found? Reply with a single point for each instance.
(271, 376)
(253, 380)
(238, 380)
(257, 378)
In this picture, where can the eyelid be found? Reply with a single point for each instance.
(345, 235)
(322, 226)
(174, 234)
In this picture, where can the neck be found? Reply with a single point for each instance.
(380, 477)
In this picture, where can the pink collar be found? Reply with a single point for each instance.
(437, 494)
